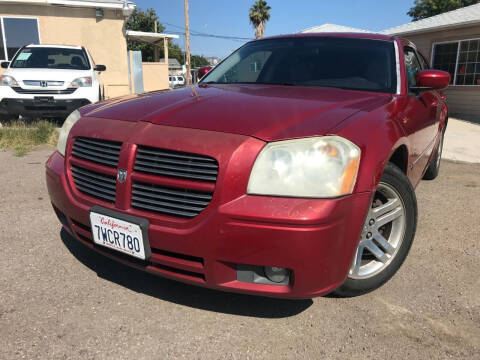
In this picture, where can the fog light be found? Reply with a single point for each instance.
(276, 274)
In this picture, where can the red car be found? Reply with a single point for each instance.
(289, 171)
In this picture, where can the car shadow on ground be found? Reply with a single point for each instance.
(180, 293)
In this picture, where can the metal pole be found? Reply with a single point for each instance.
(187, 42)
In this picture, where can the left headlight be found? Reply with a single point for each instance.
(85, 81)
(317, 167)
(65, 130)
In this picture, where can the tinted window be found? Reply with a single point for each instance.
(359, 64)
(412, 65)
(18, 33)
(51, 58)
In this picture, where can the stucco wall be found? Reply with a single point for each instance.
(463, 101)
(103, 38)
(155, 76)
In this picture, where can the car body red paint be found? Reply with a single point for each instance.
(314, 238)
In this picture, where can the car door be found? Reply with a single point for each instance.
(421, 116)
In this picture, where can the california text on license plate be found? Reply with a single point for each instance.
(123, 233)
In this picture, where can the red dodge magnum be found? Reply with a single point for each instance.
(288, 171)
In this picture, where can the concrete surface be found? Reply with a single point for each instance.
(59, 300)
(462, 141)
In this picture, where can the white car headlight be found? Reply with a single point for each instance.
(317, 167)
(82, 82)
(65, 130)
(6, 80)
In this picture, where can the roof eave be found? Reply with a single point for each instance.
(127, 6)
(432, 29)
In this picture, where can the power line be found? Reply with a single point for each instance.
(202, 34)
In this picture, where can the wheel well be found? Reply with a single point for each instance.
(400, 158)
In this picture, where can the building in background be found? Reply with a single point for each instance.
(99, 26)
(213, 60)
(451, 42)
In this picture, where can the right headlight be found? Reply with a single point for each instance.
(6, 80)
(65, 130)
(316, 167)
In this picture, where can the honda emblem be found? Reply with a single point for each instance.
(43, 83)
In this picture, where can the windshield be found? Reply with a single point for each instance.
(51, 58)
(346, 63)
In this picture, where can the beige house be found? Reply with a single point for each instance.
(451, 42)
(99, 26)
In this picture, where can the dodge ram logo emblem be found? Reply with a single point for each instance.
(43, 83)
(122, 175)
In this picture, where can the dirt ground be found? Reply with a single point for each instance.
(59, 300)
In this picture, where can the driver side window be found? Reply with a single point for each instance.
(412, 66)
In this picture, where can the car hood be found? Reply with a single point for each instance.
(265, 112)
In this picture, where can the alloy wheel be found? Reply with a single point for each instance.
(382, 234)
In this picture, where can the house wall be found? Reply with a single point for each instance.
(155, 76)
(463, 101)
(103, 38)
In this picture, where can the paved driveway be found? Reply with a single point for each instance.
(59, 300)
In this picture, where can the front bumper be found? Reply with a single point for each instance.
(315, 239)
(49, 107)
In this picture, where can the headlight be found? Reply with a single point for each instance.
(65, 130)
(6, 80)
(317, 167)
(82, 82)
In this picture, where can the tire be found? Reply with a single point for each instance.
(386, 237)
(434, 166)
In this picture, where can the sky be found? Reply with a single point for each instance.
(230, 17)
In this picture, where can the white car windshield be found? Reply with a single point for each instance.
(51, 58)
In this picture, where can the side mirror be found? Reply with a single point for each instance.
(100, 68)
(433, 79)
(203, 71)
(5, 64)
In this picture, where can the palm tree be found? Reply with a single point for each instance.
(259, 15)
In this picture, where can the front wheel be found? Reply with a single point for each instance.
(386, 237)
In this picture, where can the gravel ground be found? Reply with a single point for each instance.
(59, 300)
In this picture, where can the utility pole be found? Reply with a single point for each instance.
(155, 45)
(187, 43)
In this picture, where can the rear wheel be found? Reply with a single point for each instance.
(386, 237)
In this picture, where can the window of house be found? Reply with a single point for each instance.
(461, 59)
(15, 33)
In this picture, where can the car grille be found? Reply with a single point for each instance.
(67, 91)
(98, 151)
(95, 184)
(177, 196)
(176, 164)
(169, 201)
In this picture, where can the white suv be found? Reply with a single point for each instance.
(48, 80)
(175, 81)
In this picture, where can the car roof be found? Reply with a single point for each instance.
(54, 46)
(352, 35)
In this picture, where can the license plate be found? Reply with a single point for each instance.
(43, 99)
(123, 233)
